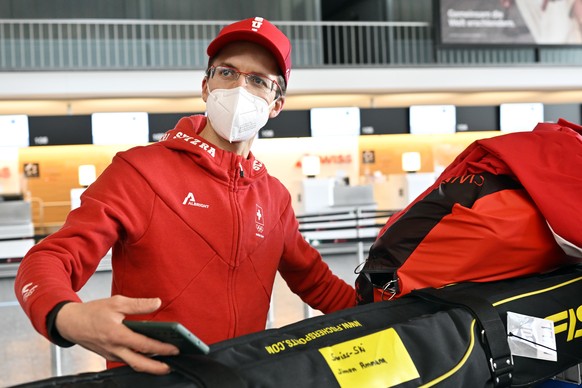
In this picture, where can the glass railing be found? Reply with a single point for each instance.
(179, 45)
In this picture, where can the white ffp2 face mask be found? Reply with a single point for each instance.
(236, 115)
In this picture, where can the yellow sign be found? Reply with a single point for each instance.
(376, 360)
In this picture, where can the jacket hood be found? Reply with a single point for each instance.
(185, 138)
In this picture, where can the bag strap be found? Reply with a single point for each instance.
(204, 371)
(493, 332)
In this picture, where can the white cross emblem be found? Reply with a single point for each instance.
(259, 215)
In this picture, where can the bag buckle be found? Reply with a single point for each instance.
(501, 370)
(390, 287)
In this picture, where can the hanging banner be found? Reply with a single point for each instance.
(511, 22)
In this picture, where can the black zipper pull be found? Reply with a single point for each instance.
(242, 173)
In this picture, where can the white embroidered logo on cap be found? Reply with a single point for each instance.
(257, 23)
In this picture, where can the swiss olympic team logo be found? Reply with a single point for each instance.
(260, 221)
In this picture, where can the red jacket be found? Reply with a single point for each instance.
(202, 228)
(546, 161)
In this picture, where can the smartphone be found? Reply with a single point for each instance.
(171, 332)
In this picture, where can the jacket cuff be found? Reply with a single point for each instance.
(52, 332)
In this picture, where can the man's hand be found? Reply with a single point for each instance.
(97, 326)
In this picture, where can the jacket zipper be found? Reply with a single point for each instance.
(235, 252)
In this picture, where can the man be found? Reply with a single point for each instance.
(197, 225)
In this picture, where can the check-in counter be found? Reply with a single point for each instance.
(16, 234)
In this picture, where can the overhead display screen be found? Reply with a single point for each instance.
(14, 131)
(520, 117)
(380, 121)
(570, 112)
(510, 22)
(432, 119)
(335, 121)
(477, 118)
(288, 123)
(120, 128)
(60, 130)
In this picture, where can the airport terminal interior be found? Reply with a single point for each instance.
(383, 96)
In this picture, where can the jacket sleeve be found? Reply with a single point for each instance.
(57, 267)
(308, 276)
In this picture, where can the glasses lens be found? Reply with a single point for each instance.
(260, 83)
(257, 82)
(226, 73)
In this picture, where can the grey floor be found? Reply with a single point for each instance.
(26, 356)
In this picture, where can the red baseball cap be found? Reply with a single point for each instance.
(257, 30)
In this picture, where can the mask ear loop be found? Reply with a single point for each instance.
(272, 104)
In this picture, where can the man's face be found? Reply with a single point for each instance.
(256, 70)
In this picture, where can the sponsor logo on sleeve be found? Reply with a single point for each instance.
(28, 290)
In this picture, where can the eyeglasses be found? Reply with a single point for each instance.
(257, 82)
